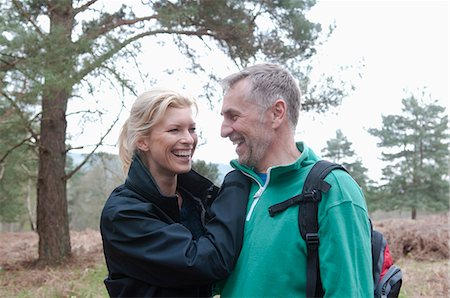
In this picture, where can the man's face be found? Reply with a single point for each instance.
(245, 126)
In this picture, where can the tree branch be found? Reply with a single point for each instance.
(28, 198)
(26, 16)
(2, 170)
(106, 56)
(8, 152)
(6, 65)
(77, 168)
(22, 117)
(83, 7)
(109, 24)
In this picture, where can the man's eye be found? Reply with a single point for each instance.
(192, 129)
(173, 130)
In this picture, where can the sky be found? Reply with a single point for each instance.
(389, 47)
(395, 45)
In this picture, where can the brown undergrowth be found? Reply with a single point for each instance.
(423, 239)
(420, 247)
(21, 276)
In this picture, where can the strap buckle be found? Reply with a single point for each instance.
(312, 240)
(312, 196)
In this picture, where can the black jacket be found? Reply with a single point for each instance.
(154, 250)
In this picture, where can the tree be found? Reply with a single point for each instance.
(209, 170)
(52, 50)
(339, 150)
(17, 167)
(415, 147)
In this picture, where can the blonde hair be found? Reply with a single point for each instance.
(147, 110)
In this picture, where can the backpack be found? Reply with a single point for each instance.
(387, 277)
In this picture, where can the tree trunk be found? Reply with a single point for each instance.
(52, 213)
(414, 213)
(30, 212)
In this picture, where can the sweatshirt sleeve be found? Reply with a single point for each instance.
(345, 236)
(166, 255)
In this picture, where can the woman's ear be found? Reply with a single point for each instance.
(278, 112)
(142, 145)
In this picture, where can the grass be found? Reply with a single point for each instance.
(88, 285)
(67, 281)
(421, 279)
(424, 278)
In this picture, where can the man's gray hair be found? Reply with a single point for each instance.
(269, 82)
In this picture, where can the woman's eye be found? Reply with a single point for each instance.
(192, 129)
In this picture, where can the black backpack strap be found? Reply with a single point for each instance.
(308, 221)
(378, 243)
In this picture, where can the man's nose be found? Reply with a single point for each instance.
(225, 129)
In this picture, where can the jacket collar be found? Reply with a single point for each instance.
(141, 181)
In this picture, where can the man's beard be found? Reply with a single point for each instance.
(256, 150)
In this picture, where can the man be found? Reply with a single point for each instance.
(260, 113)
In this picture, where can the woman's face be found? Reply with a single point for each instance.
(171, 144)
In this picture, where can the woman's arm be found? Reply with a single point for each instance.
(166, 255)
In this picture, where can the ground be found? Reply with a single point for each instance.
(21, 249)
(81, 276)
(420, 247)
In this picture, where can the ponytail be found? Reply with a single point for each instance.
(125, 152)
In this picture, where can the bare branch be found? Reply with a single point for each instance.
(2, 169)
(77, 168)
(83, 7)
(82, 112)
(123, 83)
(28, 198)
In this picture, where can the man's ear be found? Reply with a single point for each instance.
(278, 112)
(142, 145)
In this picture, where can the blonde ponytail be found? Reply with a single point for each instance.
(125, 152)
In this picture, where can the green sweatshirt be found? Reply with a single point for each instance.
(272, 262)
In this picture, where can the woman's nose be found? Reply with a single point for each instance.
(187, 137)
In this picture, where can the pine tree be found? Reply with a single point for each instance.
(339, 150)
(50, 50)
(209, 170)
(415, 147)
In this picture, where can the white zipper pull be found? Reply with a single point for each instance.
(255, 201)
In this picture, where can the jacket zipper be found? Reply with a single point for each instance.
(255, 201)
(257, 195)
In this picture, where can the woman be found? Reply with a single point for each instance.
(162, 237)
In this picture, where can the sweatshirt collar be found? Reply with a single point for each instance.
(306, 158)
